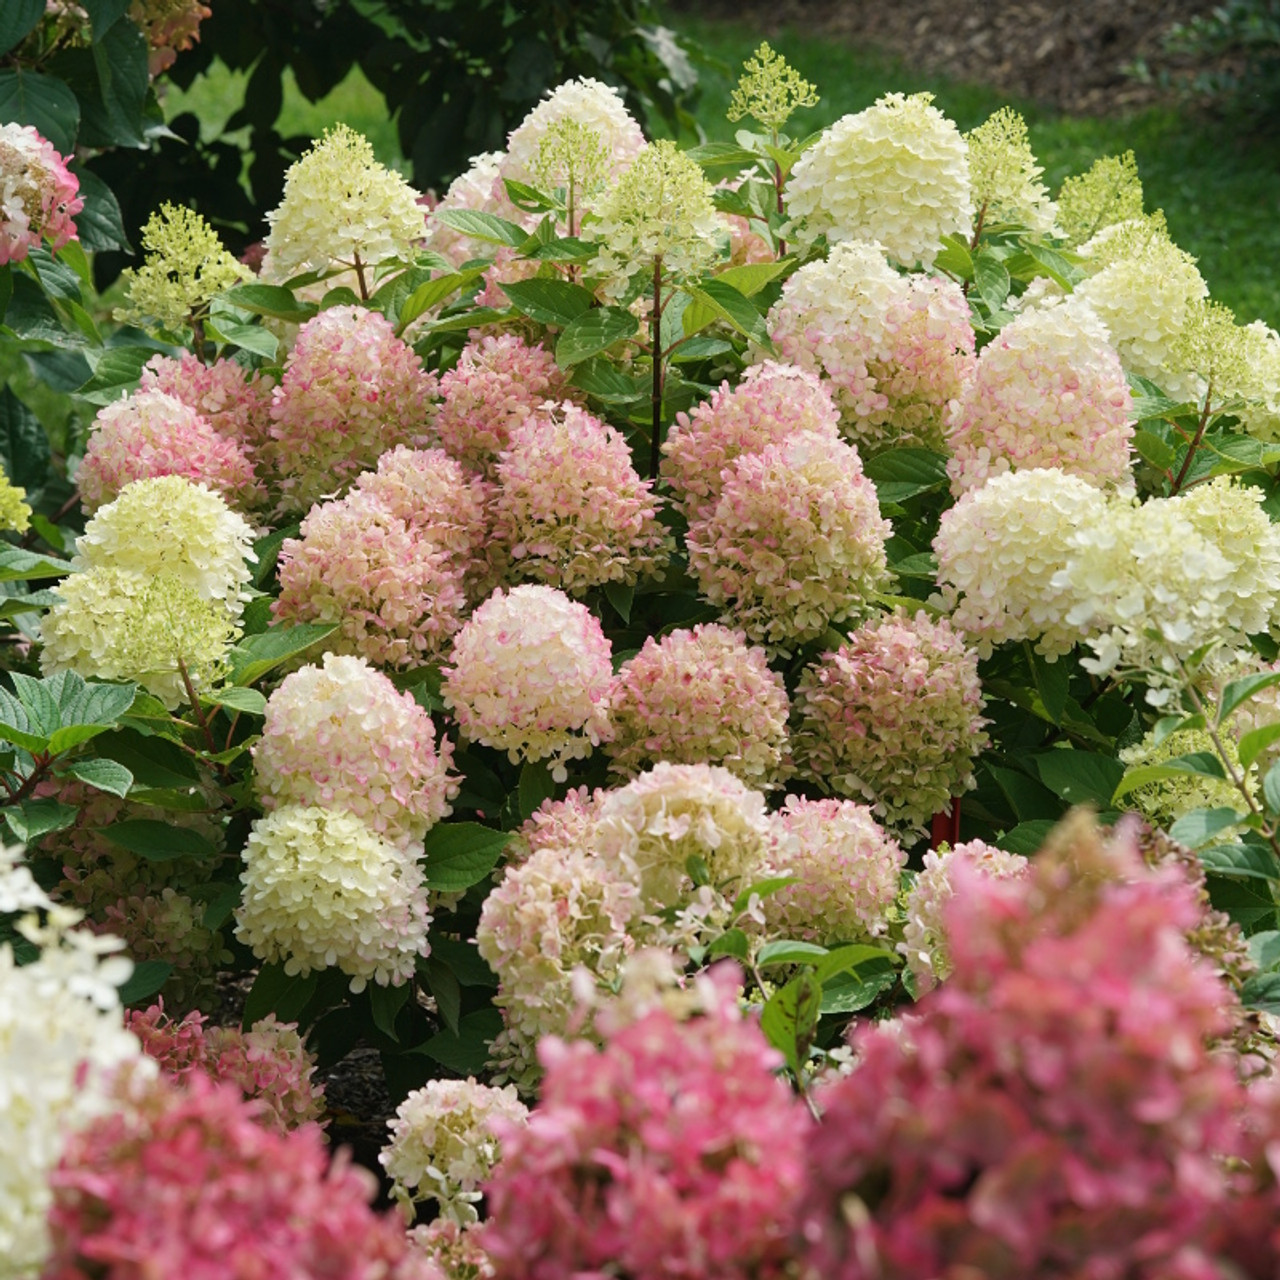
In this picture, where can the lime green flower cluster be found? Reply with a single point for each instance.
(15, 515)
(1109, 192)
(571, 155)
(769, 90)
(1004, 175)
(185, 268)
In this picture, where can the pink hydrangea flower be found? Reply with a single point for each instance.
(39, 196)
(1053, 1108)
(570, 510)
(530, 675)
(847, 870)
(672, 1152)
(795, 543)
(268, 1063)
(1047, 391)
(153, 434)
(497, 382)
(559, 824)
(396, 595)
(188, 1183)
(701, 696)
(236, 403)
(772, 403)
(342, 736)
(351, 390)
(894, 717)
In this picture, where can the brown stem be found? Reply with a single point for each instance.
(364, 288)
(1195, 440)
(198, 338)
(655, 442)
(202, 721)
(977, 226)
(29, 784)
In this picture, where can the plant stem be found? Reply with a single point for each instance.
(364, 288)
(202, 721)
(1195, 440)
(655, 440)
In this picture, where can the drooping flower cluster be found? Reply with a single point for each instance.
(498, 382)
(1054, 1108)
(999, 552)
(1047, 391)
(897, 173)
(39, 196)
(322, 888)
(153, 434)
(570, 509)
(269, 1063)
(443, 1145)
(924, 932)
(1004, 176)
(235, 403)
(847, 871)
(351, 390)
(700, 697)
(341, 208)
(795, 543)
(894, 718)
(187, 1182)
(772, 402)
(674, 1150)
(530, 674)
(342, 737)
(896, 351)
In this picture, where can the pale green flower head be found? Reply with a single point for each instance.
(769, 90)
(1109, 192)
(15, 515)
(571, 155)
(660, 208)
(186, 266)
(1004, 175)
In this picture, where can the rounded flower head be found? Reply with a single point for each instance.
(341, 208)
(39, 196)
(152, 434)
(497, 383)
(396, 595)
(322, 888)
(897, 172)
(170, 525)
(443, 1145)
(653, 826)
(847, 871)
(121, 624)
(674, 1151)
(236, 403)
(924, 934)
(15, 514)
(1004, 176)
(561, 824)
(771, 403)
(999, 550)
(895, 351)
(894, 717)
(186, 1182)
(795, 543)
(585, 102)
(185, 268)
(700, 697)
(530, 675)
(351, 390)
(1047, 391)
(570, 510)
(342, 736)
(660, 208)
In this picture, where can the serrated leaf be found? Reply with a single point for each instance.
(17, 18)
(117, 371)
(104, 775)
(467, 1051)
(955, 258)
(431, 292)
(991, 280)
(1154, 450)
(35, 818)
(385, 1004)
(30, 97)
(1080, 777)
(1053, 684)
(852, 956)
(1198, 764)
(1261, 992)
(20, 565)
(763, 888)
(96, 703)
(597, 377)
(732, 306)
(1271, 788)
(714, 155)
(1264, 949)
(482, 226)
(157, 841)
(566, 249)
(464, 961)
(1200, 826)
(536, 785)
(593, 332)
(621, 596)
(784, 951)
(147, 978)
(556, 302)
(1255, 742)
(916, 470)
(751, 277)
(1238, 691)
(272, 300)
(274, 991)
(460, 854)
(1240, 860)
(790, 1016)
(1247, 901)
(1027, 838)
(733, 942)
(248, 701)
(248, 337)
(254, 656)
(852, 992)
(100, 223)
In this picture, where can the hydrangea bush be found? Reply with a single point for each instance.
(614, 646)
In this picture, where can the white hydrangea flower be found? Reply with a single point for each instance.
(897, 172)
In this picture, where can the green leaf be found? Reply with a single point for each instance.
(17, 18)
(147, 978)
(1271, 788)
(445, 988)
(715, 155)
(593, 332)
(1242, 690)
(851, 992)
(460, 854)
(536, 785)
(1053, 681)
(1027, 838)
(117, 371)
(35, 818)
(274, 991)
(750, 278)
(991, 280)
(732, 306)
(790, 1016)
(1197, 764)
(955, 259)
(105, 775)
(1264, 949)
(1154, 450)
(429, 293)
(104, 14)
(556, 302)
(784, 951)
(1247, 901)
(1080, 777)
(1241, 860)
(1200, 826)
(567, 249)
(1261, 992)
(597, 377)
(100, 223)
(762, 889)
(482, 226)
(248, 337)
(93, 702)
(464, 961)
(912, 470)
(385, 1003)
(28, 97)
(157, 841)
(155, 763)
(270, 300)
(1255, 742)
(621, 596)
(220, 899)
(20, 565)
(248, 701)
(466, 1052)
(733, 942)
(852, 956)
(254, 656)
(24, 446)
(114, 115)
(529, 199)
(41, 702)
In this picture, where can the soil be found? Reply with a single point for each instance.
(1068, 55)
